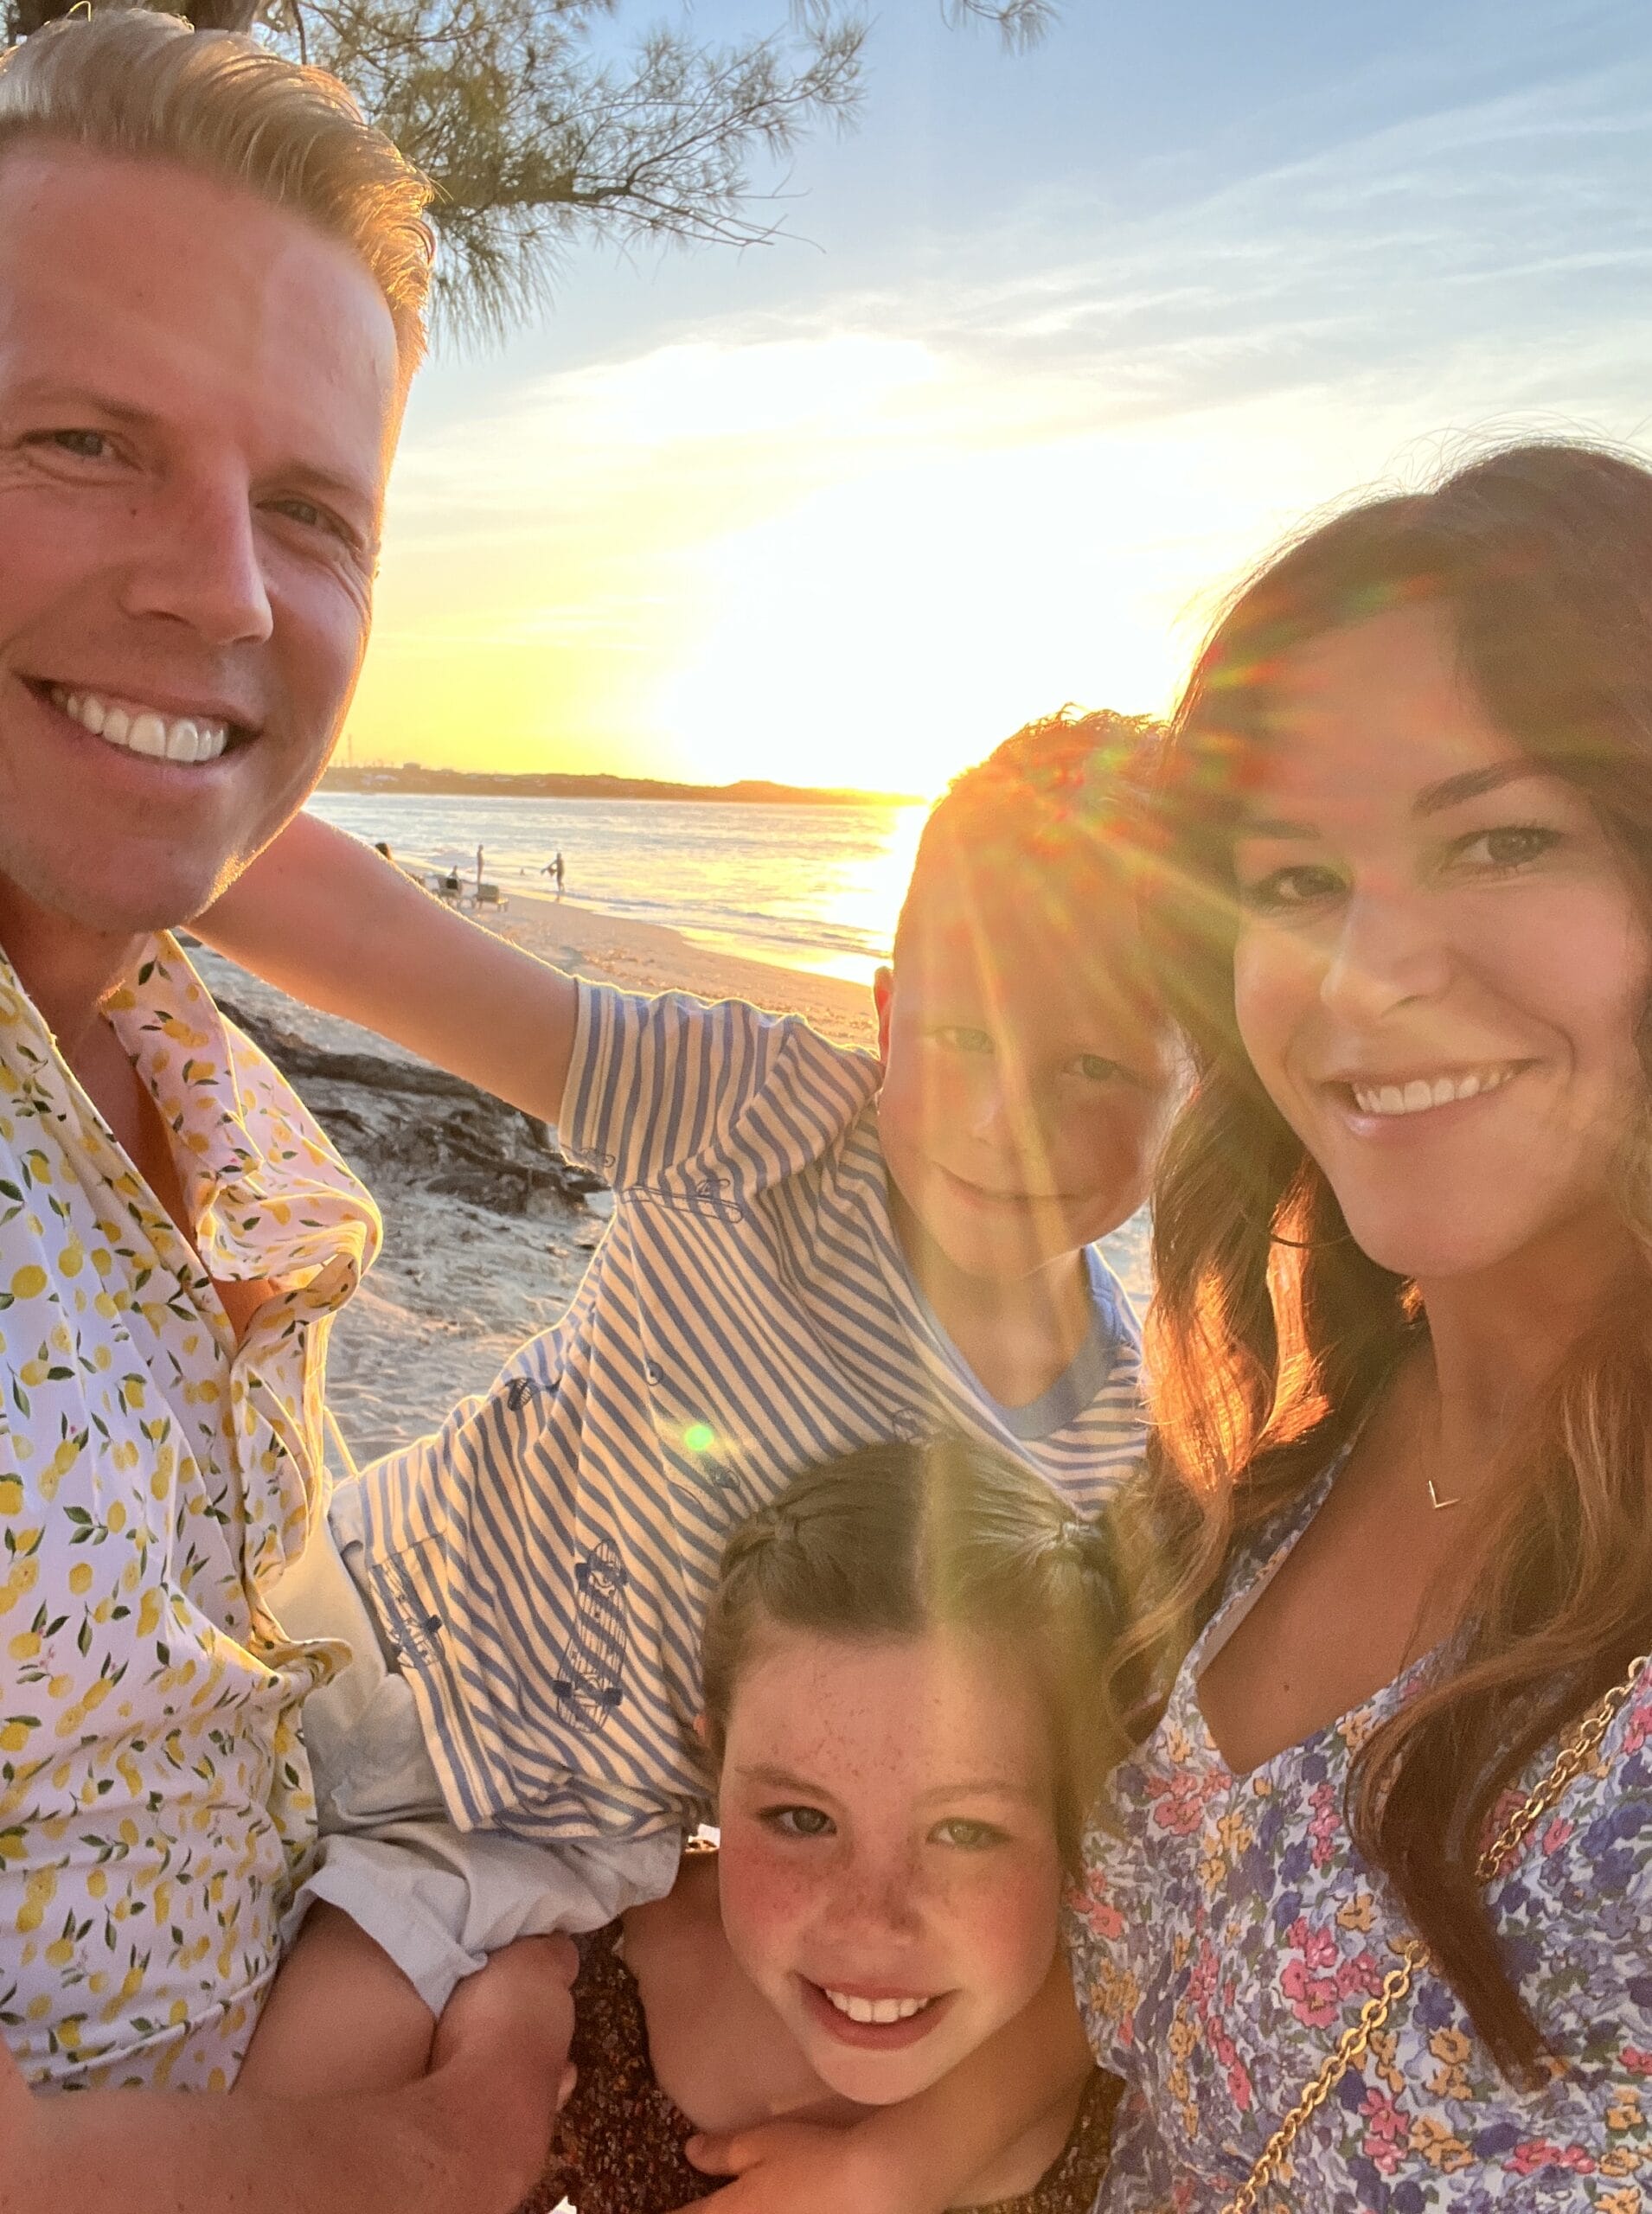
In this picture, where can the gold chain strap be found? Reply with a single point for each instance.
(1576, 1753)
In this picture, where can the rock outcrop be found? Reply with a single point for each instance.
(399, 1120)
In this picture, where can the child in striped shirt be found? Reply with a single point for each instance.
(812, 1250)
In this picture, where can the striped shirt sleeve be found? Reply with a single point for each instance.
(683, 1098)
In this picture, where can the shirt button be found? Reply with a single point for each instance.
(653, 1372)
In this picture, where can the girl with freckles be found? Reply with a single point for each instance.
(901, 1662)
(1367, 1921)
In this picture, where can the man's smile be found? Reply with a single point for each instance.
(137, 728)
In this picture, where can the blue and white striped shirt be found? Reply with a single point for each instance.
(542, 1564)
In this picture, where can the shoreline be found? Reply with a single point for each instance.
(382, 781)
(587, 941)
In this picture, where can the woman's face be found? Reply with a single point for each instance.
(889, 1869)
(1441, 964)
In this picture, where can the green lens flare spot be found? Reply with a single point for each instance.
(699, 1436)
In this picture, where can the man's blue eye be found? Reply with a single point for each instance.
(313, 518)
(87, 446)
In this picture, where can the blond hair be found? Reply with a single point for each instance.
(1061, 811)
(125, 81)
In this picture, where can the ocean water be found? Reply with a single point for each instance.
(807, 887)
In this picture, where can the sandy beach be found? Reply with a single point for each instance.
(644, 958)
(487, 1234)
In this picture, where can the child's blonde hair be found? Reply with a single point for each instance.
(125, 81)
(1063, 813)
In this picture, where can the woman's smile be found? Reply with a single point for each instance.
(1386, 1096)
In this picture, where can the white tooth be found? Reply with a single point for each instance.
(70, 704)
(860, 2010)
(1391, 1100)
(1418, 1095)
(1445, 1092)
(213, 738)
(181, 742)
(910, 2006)
(92, 713)
(1469, 1084)
(116, 724)
(148, 735)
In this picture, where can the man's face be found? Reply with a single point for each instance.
(199, 396)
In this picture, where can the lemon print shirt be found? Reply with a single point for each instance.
(155, 1478)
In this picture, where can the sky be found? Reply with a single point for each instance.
(1055, 346)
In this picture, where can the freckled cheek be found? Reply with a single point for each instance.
(768, 1897)
(1004, 1931)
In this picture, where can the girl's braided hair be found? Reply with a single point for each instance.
(899, 1539)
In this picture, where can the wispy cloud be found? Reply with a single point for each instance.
(1019, 465)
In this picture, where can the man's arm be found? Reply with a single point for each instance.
(926, 2153)
(470, 2138)
(341, 2016)
(325, 918)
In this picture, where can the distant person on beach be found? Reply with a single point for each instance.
(554, 868)
(478, 872)
(211, 279)
(811, 1249)
(913, 1635)
(382, 846)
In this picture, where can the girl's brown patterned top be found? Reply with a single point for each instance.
(620, 2141)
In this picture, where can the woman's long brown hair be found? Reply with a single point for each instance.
(1272, 1333)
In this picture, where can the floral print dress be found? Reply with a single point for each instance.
(156, 1476)
(1228, 1932)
